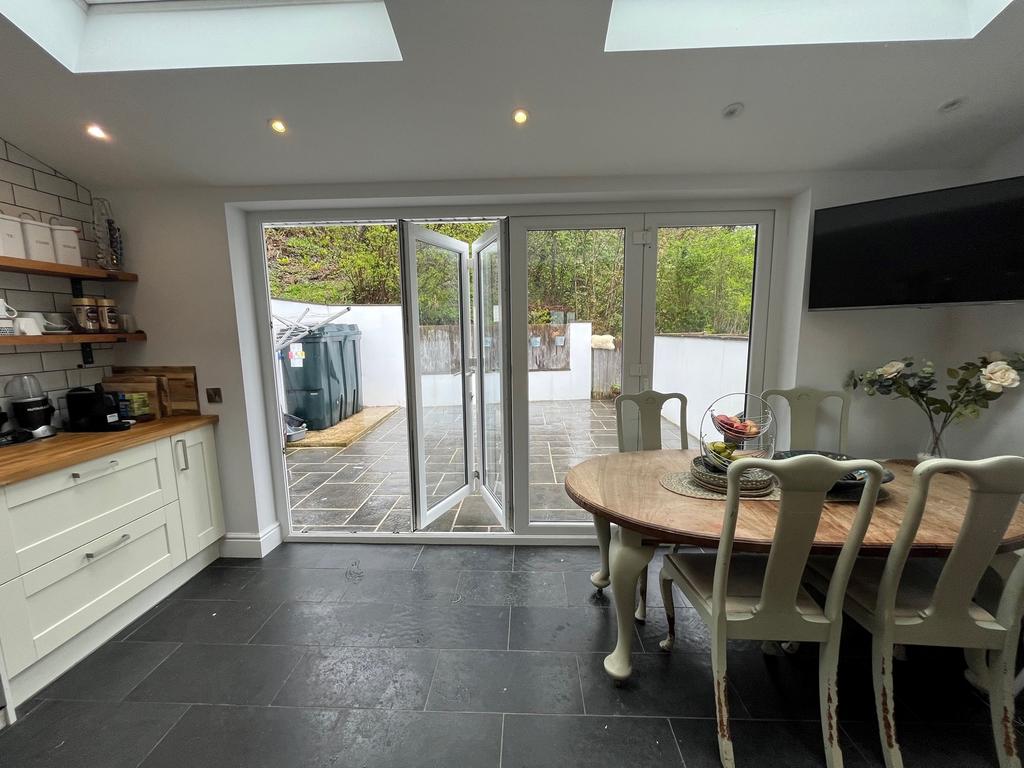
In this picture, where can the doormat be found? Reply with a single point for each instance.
(346, 432)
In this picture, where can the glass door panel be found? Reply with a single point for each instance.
(701, 325)
(436, 305)
(579, 325)
(490, 254)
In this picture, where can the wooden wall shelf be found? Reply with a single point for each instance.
(29, 267)
(56, 339)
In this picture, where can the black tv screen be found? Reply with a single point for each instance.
(960, 245)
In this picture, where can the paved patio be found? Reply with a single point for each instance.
(365, 487)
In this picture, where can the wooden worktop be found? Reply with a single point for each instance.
(28, 460)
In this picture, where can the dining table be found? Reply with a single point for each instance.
(625, 489)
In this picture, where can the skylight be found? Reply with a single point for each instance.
(652, 25)
(124, 35)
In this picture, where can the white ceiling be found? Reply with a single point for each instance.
(444, 112)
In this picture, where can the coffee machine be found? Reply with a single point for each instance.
(93, 410)
(31, 408)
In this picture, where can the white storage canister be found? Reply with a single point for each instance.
(12, 241)
(65, 243)
(38, 239)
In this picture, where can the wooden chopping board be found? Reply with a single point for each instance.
(181, 381)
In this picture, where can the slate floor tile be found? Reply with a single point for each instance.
(557, 559)
(451, 626)
(219, 674)
(216, 583)
(325, 624)
(363, 678)
(259, 737)
(562, 629)
(86, 734)
(521, 588)
(662, 685)
(506, 681)
(206, 621)
(531, 741)
(110, 672)
(402, 587)
(796, 744)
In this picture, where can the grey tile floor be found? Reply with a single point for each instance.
(399, 656)
(365, 487)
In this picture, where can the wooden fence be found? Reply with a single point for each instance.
(606, 372)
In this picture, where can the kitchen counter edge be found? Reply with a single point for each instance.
(28, 460)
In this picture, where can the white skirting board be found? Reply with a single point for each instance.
(253, 545)
(33, 679)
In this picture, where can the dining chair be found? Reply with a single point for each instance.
(907, 603)
(804, 403)
(761, 597)
(642, 435)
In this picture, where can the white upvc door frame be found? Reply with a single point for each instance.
(410, 234)
(354, 212)
(764, 220)
(632, 225)
(497, 234)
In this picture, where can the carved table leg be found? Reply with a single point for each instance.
(628, 558)
(600, 578)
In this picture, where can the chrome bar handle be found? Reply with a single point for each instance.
(112, 464)
(184, 454)
(125, 538)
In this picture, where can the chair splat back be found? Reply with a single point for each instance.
(996, 486)
(804, 404)
(645, 433)
(804, 482)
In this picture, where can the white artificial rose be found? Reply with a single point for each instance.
(891, 370)
(998, 376)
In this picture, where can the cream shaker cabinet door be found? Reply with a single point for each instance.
(202, 516)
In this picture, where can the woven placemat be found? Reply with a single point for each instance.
(684, 485)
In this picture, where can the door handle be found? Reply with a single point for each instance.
(91, 556)
(112, 464)
(184, 454)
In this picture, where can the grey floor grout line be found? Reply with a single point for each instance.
(501, 741)
(273, 613)
(288, 677)
(579, 678)
(675, 738)
(433, 676)
(160, 741)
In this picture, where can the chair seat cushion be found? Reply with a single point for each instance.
(916, 585)
(746, 578)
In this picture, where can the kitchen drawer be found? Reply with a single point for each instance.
(60, 511)
(68, 594)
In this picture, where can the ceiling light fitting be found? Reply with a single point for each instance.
(520, 116)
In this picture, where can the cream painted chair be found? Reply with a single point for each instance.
(645, 437)
(760, 597)
(905, 603)
(804, 403)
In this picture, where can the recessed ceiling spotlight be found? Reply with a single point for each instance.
(97, 132)
(277, 125)
(520, 116)
(952, 105)
(733, 110)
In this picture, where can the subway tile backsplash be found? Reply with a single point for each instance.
(30, 186)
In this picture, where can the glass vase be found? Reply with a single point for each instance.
(933, 448)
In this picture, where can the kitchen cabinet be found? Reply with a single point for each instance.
(95, 528)
(202, 516)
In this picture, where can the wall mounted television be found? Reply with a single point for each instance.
(952, 246)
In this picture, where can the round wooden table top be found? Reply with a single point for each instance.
(626, 489)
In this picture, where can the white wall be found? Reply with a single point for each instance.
(701, 367)
(176, 238)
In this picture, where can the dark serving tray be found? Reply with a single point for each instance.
(848, 482)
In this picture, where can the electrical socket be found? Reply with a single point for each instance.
(214, 395)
